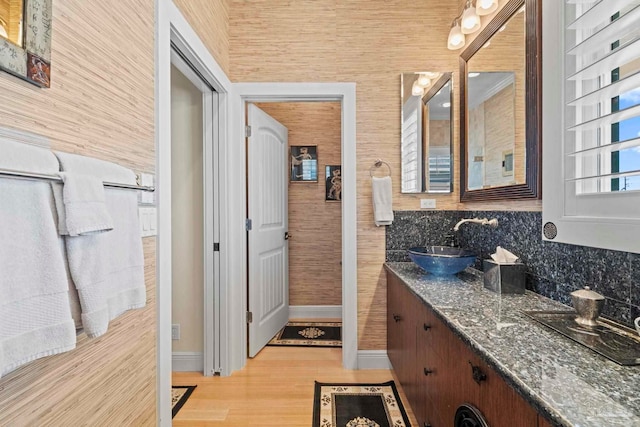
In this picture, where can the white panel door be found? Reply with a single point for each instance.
(268, 248)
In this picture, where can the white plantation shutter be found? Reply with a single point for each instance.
(591, 120)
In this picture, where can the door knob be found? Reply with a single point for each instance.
(287, 236)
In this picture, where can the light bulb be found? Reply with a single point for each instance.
(470, 19)
(485, 7)
(423, 80)
(446, 104)
(456, 38)
(417, 90)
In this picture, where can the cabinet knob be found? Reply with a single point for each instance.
(427, 371)
(477, 374)
(426, 327)
(397, 317)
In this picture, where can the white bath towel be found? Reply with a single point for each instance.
(35, 318)
(107, 268)
(382, 200)
(82, 208)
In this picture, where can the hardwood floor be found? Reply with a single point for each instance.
(274, 389)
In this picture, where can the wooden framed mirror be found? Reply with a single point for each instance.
(426, 149)
(500, 102)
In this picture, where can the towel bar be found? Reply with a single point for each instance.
(378, 163)
(8, 173)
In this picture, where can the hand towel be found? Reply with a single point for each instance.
(382, 200)
(81, 209)
(107, 268)
(35, 318)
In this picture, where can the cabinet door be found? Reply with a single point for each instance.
(501, 405)
(428, 366)
(401, 335)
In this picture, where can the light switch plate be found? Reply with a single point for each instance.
(148, 218)
(427, 203)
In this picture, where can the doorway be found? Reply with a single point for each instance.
(188, 124)
(194, 218)
(236, 208)
(311, 201)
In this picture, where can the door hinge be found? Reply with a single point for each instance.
(247, 131)
(249, 317)
(216, 247)
(247, 224)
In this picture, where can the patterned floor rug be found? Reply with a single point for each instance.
(358, 405)
(309, 334)
(179, 395)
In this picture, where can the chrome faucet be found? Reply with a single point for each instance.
(484, 221)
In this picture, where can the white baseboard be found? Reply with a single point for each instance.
(315, 312)
(373, 359)
(186, 361)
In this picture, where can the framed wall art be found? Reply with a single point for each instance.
(304, 163)
(333, 183)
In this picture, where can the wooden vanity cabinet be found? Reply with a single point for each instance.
(401, 336)
(439, 372)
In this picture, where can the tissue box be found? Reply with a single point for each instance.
(504, 278)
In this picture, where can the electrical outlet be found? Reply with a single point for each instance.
(427, 203)
(175, 331)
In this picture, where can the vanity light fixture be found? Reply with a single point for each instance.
(3, 29)
(456, 37)
(485, 7)
(423, 80)
(416, 89)
(470, 19)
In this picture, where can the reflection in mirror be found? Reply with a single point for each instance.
(500, 150)
(426, 150)
(491, 143)
(496, 109)
(11, 20)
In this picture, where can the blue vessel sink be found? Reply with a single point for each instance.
(442, 260)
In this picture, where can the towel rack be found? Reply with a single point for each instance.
(378, 163)
(8, 173)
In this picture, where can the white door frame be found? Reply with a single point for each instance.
(172, 27)
(345, 93)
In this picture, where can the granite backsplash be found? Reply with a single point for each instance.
(553, 269)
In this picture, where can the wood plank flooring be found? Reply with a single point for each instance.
(274, 389)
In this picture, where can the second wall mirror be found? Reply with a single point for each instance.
(426, 143)
(500, 107)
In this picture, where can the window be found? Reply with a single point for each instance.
(591, 122)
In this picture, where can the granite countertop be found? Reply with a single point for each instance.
(567, 382)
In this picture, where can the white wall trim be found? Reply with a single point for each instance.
(373, 359)
(315, 311)
(236, 205)
(187, 361)
(171, 26)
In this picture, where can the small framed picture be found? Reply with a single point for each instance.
(333, 179)
(304, 163)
